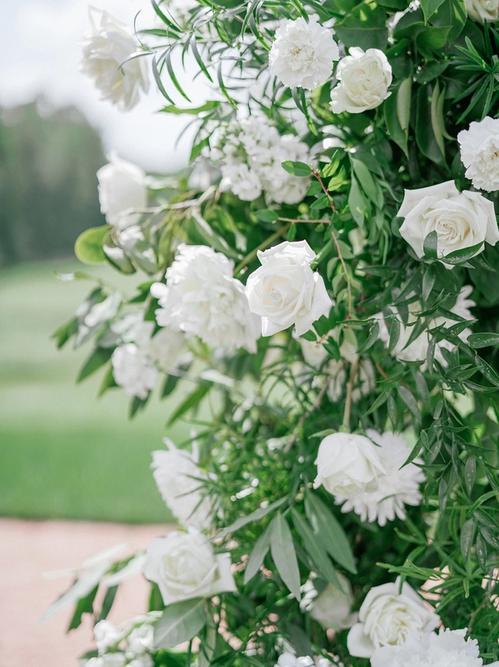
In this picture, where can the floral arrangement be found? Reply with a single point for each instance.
(319, 295)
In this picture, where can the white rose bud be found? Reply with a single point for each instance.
(460, 219)
(388, 617)
(480, 153)
(483, 10)
(347, 463)
(106, 60)
(364, 78)
(122, 189)
(184, 566)
(285, 290)
(302, 53)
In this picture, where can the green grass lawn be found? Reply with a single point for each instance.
(63, 452)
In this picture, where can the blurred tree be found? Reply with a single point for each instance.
(48, 196)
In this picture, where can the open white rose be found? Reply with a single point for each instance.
(177, 477)
(448, 648)
(106, 60)
(202, 298)
(184, 566)
(285, 290)
(387, 617)
(479, 146)
(302, 53)
(364, 78)
(483, 10)
(122, 190)
(347, 463)
(460, 219)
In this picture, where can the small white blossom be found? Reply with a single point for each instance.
(106, 60)
(178, 478)
(133, 370)
(202, 298)
(285, 290)
(364, 78)
(479, 146)
(302, 53)
(460, 219)
(483, 10)
(184, 566)
(389, 615)
(448, 648)
(122, 190)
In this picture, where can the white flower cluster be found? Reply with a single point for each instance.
(417, 349)
(479, 146)
(251, 152)
(365, 474)
(202, 298)
(130, 644)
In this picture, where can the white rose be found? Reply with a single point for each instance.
(388, 617)
(460, 219)
(106, 60)
(302, 53)
(479, 146)
(364, 78)
(202, 298)
(122, 189)
(177, 477)
(285, 290)
(184, 566)
(133, 370)
(445, 649)
(332, 607)
(483, 10)
(347, 463)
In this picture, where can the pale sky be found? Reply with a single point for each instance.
(41, 52)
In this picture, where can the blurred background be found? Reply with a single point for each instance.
(67, 460)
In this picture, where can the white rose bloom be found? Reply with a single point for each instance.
(302, 53)
(397, 487)
(106, 60)
(347, 463)
(184, 566)
(417, 349)
(460, 219)
(122, 189)
(483, 10)
(177, 477)
(445, 649)
(479, 146)
(332, 607)
(133, 370)
(388, 617)
(364, 78)
(202, 298)
(285, 290)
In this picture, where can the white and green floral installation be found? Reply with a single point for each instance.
(320, 300)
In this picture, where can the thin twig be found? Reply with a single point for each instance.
(265, 244)
(348, 399)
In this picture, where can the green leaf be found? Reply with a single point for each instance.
(364, 26)
(392, 122)
(296, 168)
(466, 537)
(408, 398)
(329, 532)
(430, 245)
(179, 623)
(191, 401)
(356, 202)
(257, 555)
(479, 340)
(96, 360)
(249, 518)
(315, 549)
(192, 111)
(404, 97)
(85, 605)
(89, 245)
(429, 7)
(267, 215)
(283, 553)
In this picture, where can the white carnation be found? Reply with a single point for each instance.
(364, 78)
(479, 146)
(285, 290)
(106, 60)
(396, 488)
(483, 10)
(445, 649)
(202, 298)
(133, 370)
(184, 566)
(122, 190)
(178, 478)
(302, 53)
(389, 615)
(460, 219)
